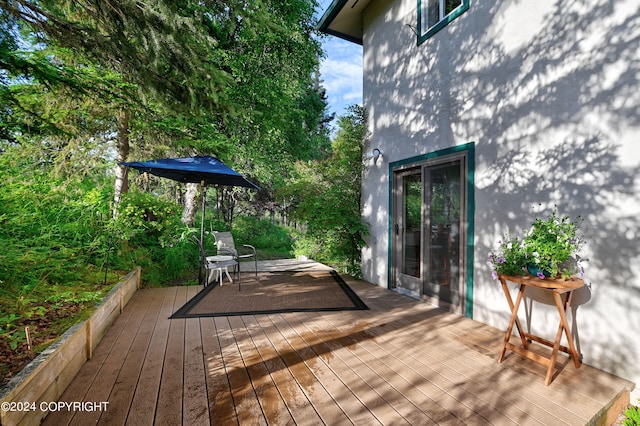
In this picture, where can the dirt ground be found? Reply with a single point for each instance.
(43, 331)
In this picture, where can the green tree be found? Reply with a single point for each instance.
(109, 91)
(280, 104)
(328, 194)
(166, 48)
(232, 78)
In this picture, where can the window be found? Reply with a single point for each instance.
(433, 15)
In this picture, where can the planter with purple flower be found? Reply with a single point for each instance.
(551, 248)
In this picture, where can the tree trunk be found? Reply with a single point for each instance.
(227, 205)
(122, 146)
(190, 205)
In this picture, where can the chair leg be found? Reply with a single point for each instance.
(234, 270)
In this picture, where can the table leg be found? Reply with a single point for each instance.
(554, 352)
(505, 289)
(562, 309)
(514, 319)
(226, 270)
(563, 327)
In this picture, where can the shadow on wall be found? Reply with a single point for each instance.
(553, 118)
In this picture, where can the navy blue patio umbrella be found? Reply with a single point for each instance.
(205, 170)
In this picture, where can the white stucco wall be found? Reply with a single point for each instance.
(550, 93)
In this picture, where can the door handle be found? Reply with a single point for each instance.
(397, 229)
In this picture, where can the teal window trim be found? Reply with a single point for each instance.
(442, 23)
(470, 149)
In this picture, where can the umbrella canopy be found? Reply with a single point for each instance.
(205, 170)
(200, 169)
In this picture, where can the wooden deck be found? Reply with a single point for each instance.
(401, 362)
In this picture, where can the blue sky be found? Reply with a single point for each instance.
(341, 70)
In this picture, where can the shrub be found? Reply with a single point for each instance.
(269, 239)
(152, 236)
(633, 416)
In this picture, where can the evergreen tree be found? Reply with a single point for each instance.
(226, 78)
(328, 197)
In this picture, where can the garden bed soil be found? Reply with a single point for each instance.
(43, 331)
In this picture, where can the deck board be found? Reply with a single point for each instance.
(146, 393)
(219, 394)
(326, 407)
(273, 406)
(195, 401)
(448, 369)
(127, 380)
(107, 378)
(169, 407)
(344, 396)
(386, 402)
(292, 395)
(245, 400)
(400, 362)
(78, 388)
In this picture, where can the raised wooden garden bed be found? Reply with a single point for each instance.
(24, 400)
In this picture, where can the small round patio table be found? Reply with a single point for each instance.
(220, 263)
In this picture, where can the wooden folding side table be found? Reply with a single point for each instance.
(558, 287)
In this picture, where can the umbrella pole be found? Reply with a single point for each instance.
(202, 259)
(218, 204)
(204, 203)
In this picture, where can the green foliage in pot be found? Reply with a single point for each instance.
(552, 245)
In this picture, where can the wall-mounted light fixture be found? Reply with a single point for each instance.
(413, 29)
(375, 154)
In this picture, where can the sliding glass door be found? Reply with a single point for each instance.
(429, 230)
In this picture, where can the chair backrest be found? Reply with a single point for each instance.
(225, 243)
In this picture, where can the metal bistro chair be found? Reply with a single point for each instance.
(215, 263)
(226, 246)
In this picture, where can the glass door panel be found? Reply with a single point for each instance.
(408, 230)
(412, 218)
(444, 192)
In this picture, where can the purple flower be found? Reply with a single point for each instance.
(540, 275)
(494, 275)
(500, 260)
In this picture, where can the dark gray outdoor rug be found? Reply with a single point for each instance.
(274, 292)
